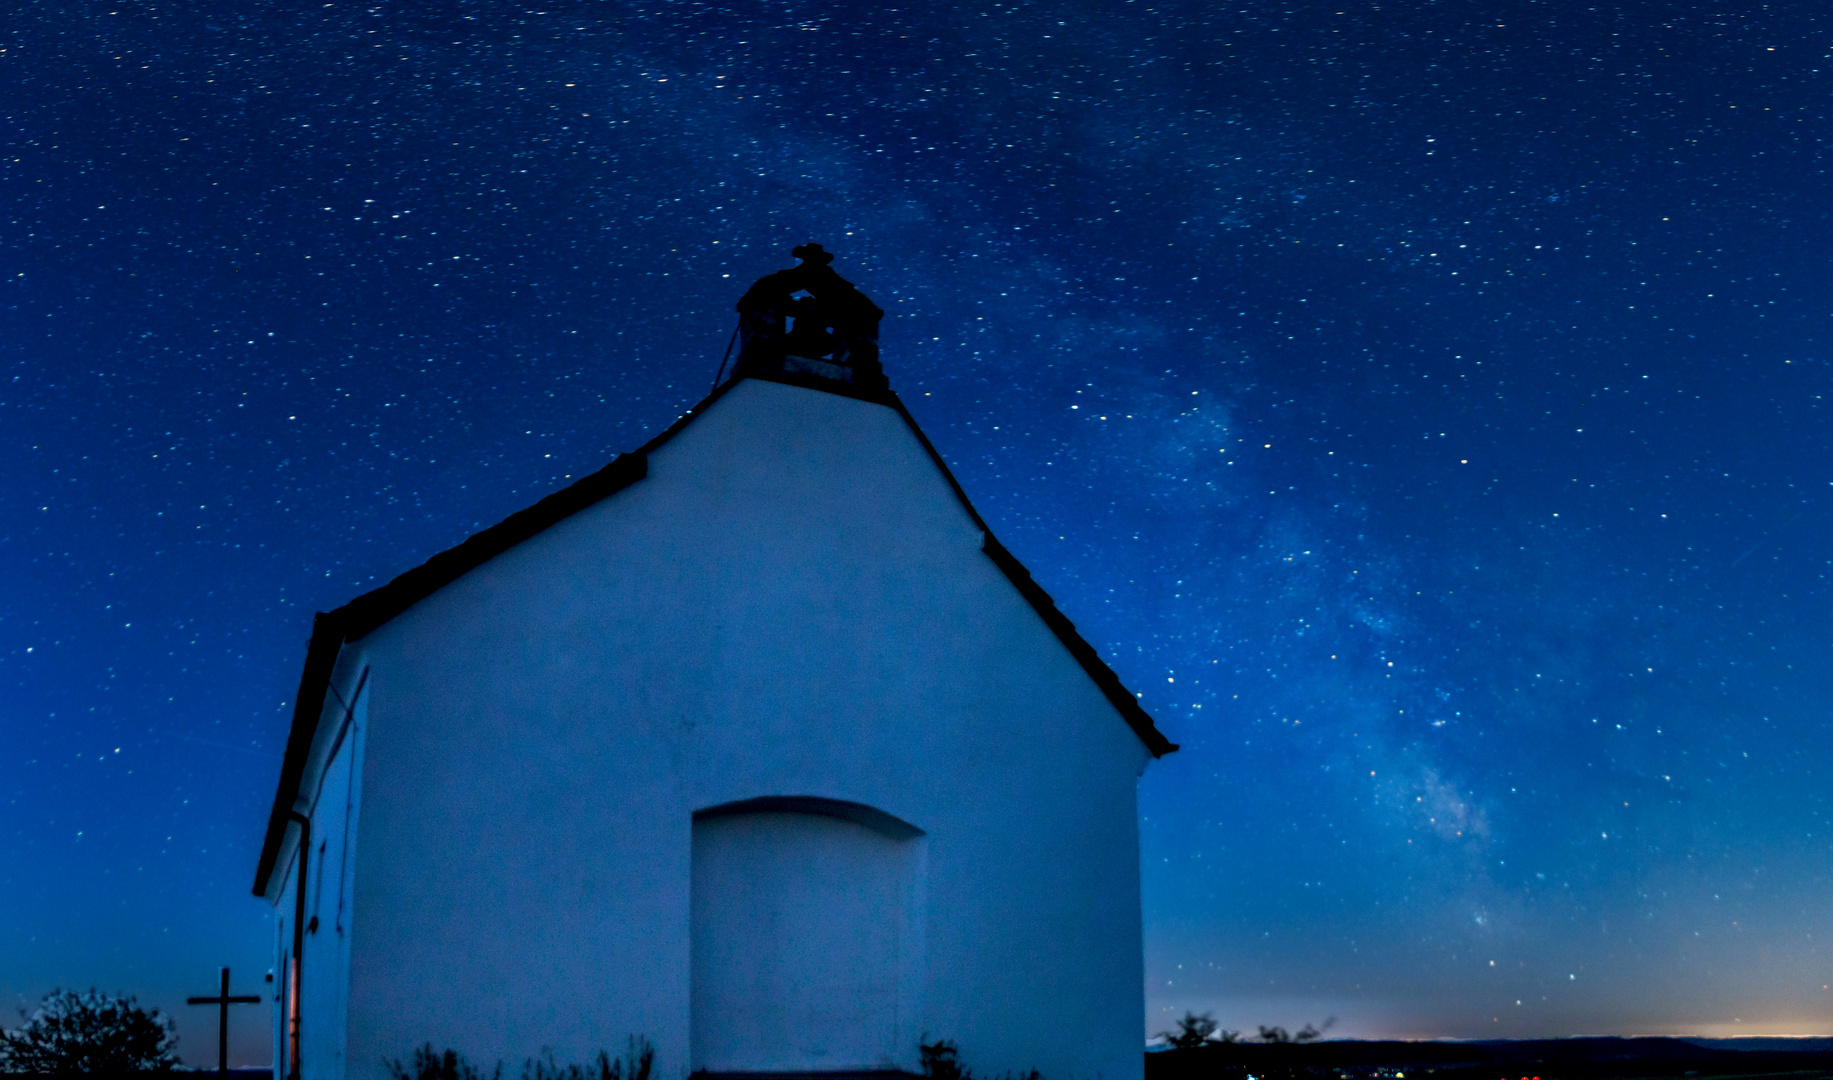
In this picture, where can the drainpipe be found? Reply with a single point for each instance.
(299, 887)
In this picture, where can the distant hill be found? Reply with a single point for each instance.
(155, 1074)
(1764, 1042)
(1501, 1059)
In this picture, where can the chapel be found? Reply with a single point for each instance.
(755, 745)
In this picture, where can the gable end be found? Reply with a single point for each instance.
(1109, 683)
(1104, 678)
(368, 612)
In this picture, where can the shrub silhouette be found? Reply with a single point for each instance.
(942, 1061)
(635, 1063)
(1306, 1034)
(72, 1034)
(1194, 1031)
(428, 1064)
(638, 1058)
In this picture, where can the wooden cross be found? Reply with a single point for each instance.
(222, 1001)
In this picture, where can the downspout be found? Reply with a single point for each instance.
(299, 888)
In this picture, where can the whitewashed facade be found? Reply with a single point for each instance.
(755, 745)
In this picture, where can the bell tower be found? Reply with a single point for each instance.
(809, 320)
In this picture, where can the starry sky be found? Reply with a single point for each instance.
(1419, 404)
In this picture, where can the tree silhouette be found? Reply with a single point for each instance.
(1308, 1033)
(72, 1034)
(942, 1060)
(1194, 1031)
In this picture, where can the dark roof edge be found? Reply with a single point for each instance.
(368, 612)
(875, 395)
(1109, 683)
(1124, 702)
(361, 616)
(331, 630)
(314, 683)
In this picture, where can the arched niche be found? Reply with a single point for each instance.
(807, 937)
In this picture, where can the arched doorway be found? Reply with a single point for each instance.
(806, 937)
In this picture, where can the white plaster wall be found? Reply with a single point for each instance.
(277, 992)
(333, 791)
(792, 603)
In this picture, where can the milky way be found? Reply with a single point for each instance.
(1420, 405)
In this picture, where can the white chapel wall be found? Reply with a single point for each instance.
(333, 784)
(793, 603)
(283, 945)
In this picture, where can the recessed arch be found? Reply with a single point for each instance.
(871, 817)
(806, 937)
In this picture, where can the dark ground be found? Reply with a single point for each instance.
(1545, 1059)
(155, 1074)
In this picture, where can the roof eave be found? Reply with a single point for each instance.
(368, 612)
(1105, 680)
(314, 683)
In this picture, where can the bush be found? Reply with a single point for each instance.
(427, 1064)
(942, 1061)
(430, 1065)
(1194, 1031)
(74, 1034)
(1308, 1033)
(639, 1057)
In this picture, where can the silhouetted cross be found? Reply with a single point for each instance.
(222, 1001)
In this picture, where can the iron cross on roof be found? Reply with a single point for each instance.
(222, 1001)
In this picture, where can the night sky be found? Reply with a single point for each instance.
(1421, 404)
